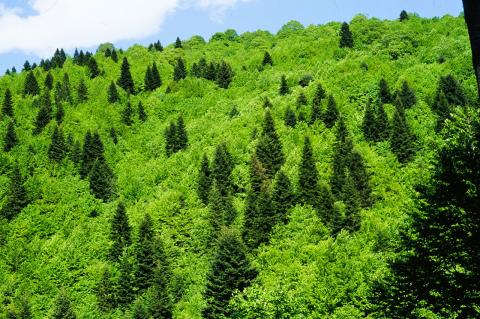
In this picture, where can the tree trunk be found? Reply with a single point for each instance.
(472, 18)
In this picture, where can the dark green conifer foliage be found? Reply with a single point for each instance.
(49, 81)
(284, 89)
(301, 100)
(63, 91)
(7, 106)
(320, 94)
(113, 135)
(156, 80)
(145, 255)
(82, 92)
(105, 291)
(125, 287)
(403, 15)
(211, 71)
(113, 93)
(407, 95)
(361, 178)
(453, 90)
(267, 59)
(148, 79)
(181, 138)
(26, 66)
(222, 168)
(308, 176)
(204, 180)
(325, 208)
(384, 93)
(442, 109)
(316, 113)
(224, 75)
(162, 305)
(101, 180)
(230, 271)
(170, 138)
(180, 71)
(31, 85)
(44, 115)
(88, 155)
(283, 198)
(233, 112)
(269, 148)
(10, 139)
(59, 115)
(222, 211)
(120, 232)
(127, 114)
(76, 153)
(142, 116)
(93, 69)
(290, 118)
(63, 308)
(114, 56)
(267, 104)
(178, 43)
(57, 149)
(369, 126)
(17, 197)
(350, 198)
(401, 139)
(382, 123)
(341, 159)
(140, 310)
(126, 81)
(331, 113)
(346, 37)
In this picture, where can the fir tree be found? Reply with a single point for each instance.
(76, 153)
(44, 116)
(326, 211)
(308, 176)
(10, 139)
(453, 90)
(342, 156)
(320, 94)
(331, 113)
(407, 96)
(125, 287)
(17, 197)
(148, 79)
(178, 43)
(211, 72)
(442, 109)
(142, 116)
(301, 100)
(382, 124)
(82, 92)
(351, 200)
(283, 197)
(267, 59)
(63, 308)
(204, 180)
(224, 75)
(162, 304)
(145, 254)
(57, 149)
(222, 168)
(181, 138)
(316, 113)
(401, 139)
(63, 91)
(404, 16)
(93, 69)
(101, 180)
(369, 124)
(158, 46)
(31, 85)
(384, 93)
(361, 178)
(26, 66)
(269, 148)
(156, 79)
(120, 232)
(114, 56)
(59, 115)
(7, 106)
(113, 93)
(284, 89)
(222, 211)
(170, 139)
(126, 81)
(105, 291)
(290, 118)
(127, 114)
(88, 155)
(267, 104)
(49, 81)
(113, 135)
(180, 71)
(346, 37)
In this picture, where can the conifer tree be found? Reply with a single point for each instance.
(114, 56)
(361, 178)
(351, 200)
(145, 254)
(407, 95)
(320, 94)
(57, 149)
(113, 135)
(301, 100)
(369, 124)
(403, 16)
(88, 156)
(125, 287)
(401, 139)
(284, 89)
(31, 85)
(346, 37)
(211, 71)
(63, 308)
(158, 46)
(224, 75)
(59, 115)
(442, 109)
(181, 138)
(308, 176)
(101, 180)
(156, 79)
(331, 113)
(222, 211)
(267, 59)
(178, 43)
(63, 90)
(126, 81)
(113, 93)
(170, 138)
(44, 116)
(283, 197)
(341, 159)
(7, 106)
(162, 305)
(17, 197)
(148, 79)
(120, 232)
(93, 69)
(453, 90)
(76, 153)
(230, 271)
(290, 118)
(267, 104)
(384, 93)
(180, 71)
(105, 291)
(10, 139)
(127, 114)
(204, 180)
(26, 66)
(326, 211)
(269, 148)
(382, 124)
(82, 92)
(316, 113)
(49, 81)
(222, 168)
(142, 116)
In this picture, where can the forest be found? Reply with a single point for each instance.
(325, 171)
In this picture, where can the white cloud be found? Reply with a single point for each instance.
(84, 23)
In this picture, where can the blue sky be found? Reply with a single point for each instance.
(32, 29)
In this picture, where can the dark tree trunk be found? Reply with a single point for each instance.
(472, 17)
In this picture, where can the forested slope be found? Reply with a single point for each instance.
(106, 204)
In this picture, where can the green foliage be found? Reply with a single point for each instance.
(452, 90)
(402, 140)
(113, 96)
(93, 69)
(222, 168)
(267, 59)
(126, 81)
(369, 123)
(204, 184)
(307, 175)
(7, 106)
(269, 149)
(17, 197)
(127, 114)
(407, 96)
(180, 70)
(331, 113)
(224, 75)
(346, 36)
(290, 118)
(144, 251)
(82, 92)
(63, 307)
(142, 115)
(101, 180)
(284, 89)
(283, 198)
(120, 232)
(403, 16)
(10, 139)
(57, 149)
(178, 43)
(384, 93)
(30, 86)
